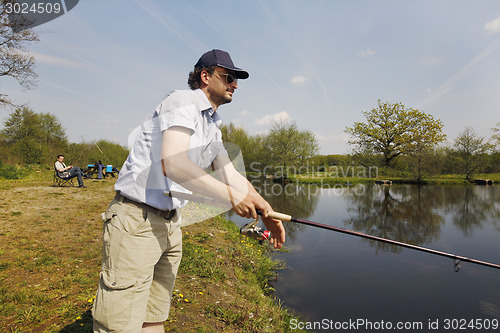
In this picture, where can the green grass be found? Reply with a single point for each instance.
(51, 257)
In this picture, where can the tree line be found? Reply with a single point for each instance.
(401, 141)
(412, 144)
(283, 150)
(29, 138)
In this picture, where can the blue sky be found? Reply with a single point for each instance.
(105, 65)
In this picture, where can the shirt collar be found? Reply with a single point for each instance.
(206, 106)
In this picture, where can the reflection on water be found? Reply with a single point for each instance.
(341, 277)
(403, 214)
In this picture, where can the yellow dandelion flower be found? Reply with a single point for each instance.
(181, 295)
(186, 300)
(200, 293)
(78, 318)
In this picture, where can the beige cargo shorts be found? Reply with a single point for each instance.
(141, 255)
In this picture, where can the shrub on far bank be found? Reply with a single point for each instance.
(8, 171)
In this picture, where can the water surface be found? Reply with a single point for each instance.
(338, 278)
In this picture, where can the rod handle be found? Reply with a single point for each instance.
(277, 216)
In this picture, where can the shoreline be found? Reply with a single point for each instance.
(440, 180)
(50, 246)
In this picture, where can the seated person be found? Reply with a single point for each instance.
(70, 171)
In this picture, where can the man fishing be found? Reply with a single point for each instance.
(142, 237)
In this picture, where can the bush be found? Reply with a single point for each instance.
(8, 171)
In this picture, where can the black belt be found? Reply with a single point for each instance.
(166, 214)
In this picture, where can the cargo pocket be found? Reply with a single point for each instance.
(117, 281)
(113, 307)
(107, 215)
(111, 240)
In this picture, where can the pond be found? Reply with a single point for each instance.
(341, 282)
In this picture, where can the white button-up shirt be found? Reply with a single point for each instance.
(141, 178)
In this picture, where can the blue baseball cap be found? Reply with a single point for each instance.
(222, 59)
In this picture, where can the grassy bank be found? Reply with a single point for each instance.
(50, 256)
(326, 181)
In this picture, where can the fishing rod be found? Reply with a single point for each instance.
(102, 152)
(252, 230)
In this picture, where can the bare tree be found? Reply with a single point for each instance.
(15, 61)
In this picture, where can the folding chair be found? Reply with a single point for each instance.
(61, 181)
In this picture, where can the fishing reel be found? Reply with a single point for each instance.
(253, 231)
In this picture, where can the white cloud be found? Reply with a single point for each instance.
(56, 61)
(272, 118)
(298, 79)
(492, 27)
(244, 113)
(366, 53)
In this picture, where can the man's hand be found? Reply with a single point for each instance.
(244, 204)
(277, 231)
(247, 207)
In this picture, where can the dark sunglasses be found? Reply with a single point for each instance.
(230, 77)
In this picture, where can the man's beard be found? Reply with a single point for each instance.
(223, 99)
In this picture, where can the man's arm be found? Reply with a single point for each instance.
(60, 167)
(254, 200)
(243, 197)
(178, 167)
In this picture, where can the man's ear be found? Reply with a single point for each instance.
(205, 77)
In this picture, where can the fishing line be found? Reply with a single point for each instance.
(255, 232)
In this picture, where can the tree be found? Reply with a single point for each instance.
(471, 150)
(495, 145)
(495, 138)
(249, 145)
(33, 137)
(427, 133)
(393, 130)
(288, 147)
(15, 62)
(106, 151)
